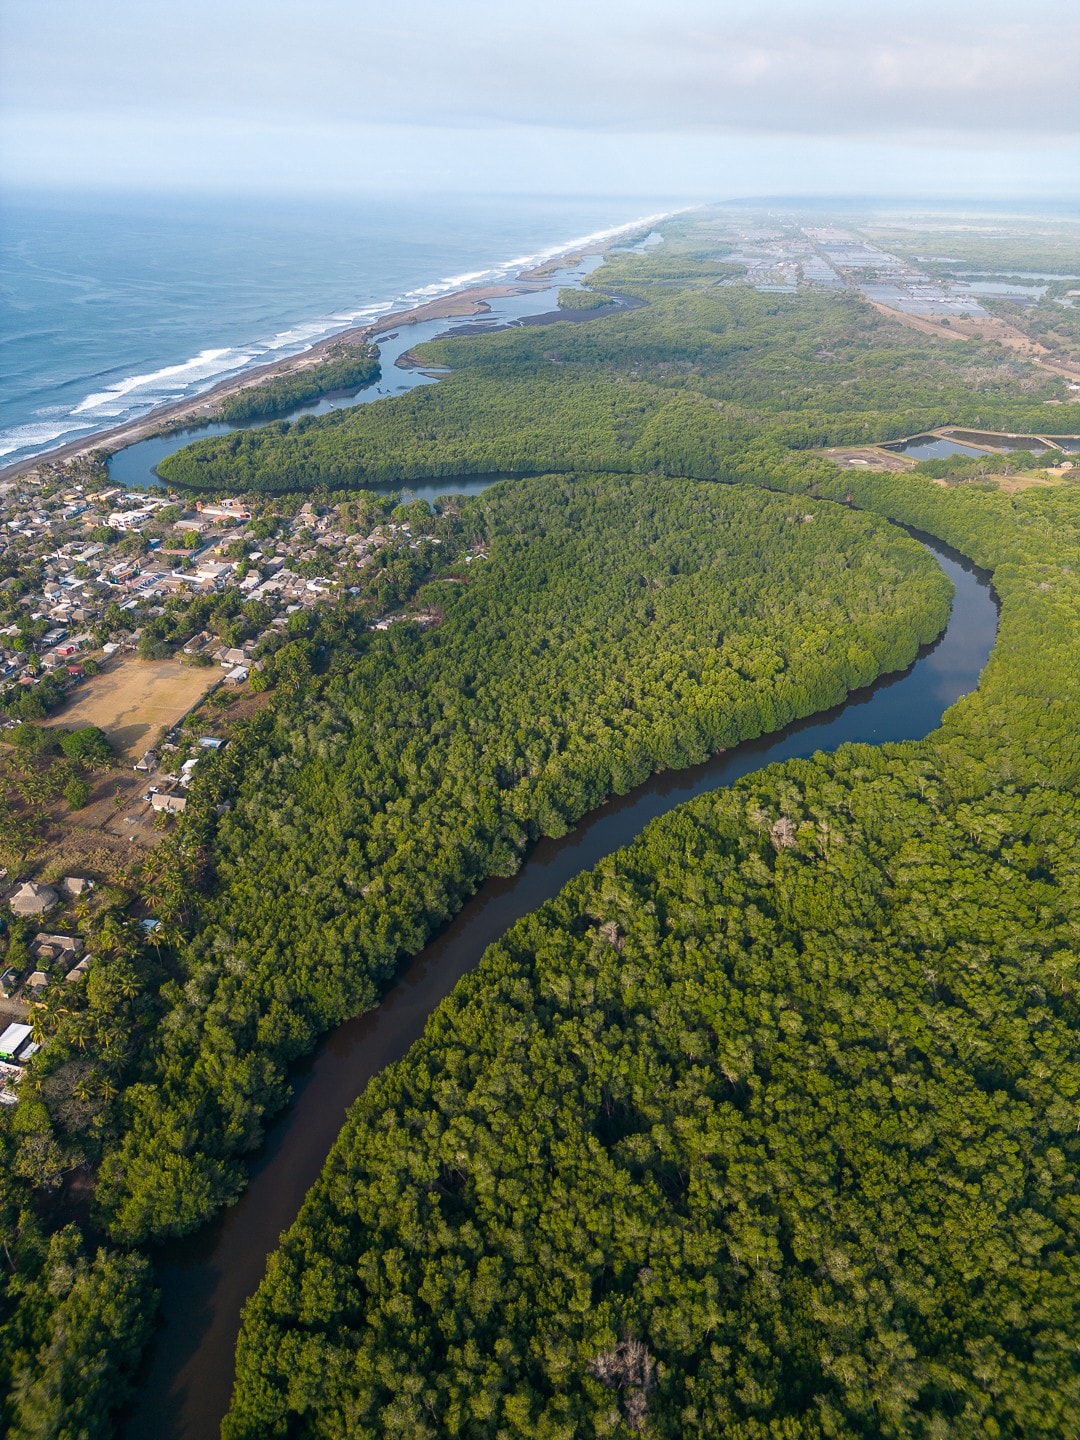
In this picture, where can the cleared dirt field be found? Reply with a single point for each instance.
(868, 457)
(988, 328)
(131, 701)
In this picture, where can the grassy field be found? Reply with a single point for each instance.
(133, 699)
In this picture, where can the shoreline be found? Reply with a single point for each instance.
(200, 409)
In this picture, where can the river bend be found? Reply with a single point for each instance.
(186, 1381)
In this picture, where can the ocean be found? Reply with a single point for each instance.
(110, 306)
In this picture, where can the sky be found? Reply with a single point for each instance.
(694, 99)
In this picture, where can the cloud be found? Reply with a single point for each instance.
(692, 98)
(832, 77)
(200, 153)
(958, 71)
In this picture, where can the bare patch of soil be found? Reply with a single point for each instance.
(868, 457)
(135, 699)
(989, 329)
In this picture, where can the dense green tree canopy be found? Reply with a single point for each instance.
(577, 299)
(690, 383)
(603, 628)
(768, 1126)
(348, 368)
(756, 1094)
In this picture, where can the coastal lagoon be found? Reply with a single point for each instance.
(931, 447)
(111, 306)
(137, 464)
(1002, 442)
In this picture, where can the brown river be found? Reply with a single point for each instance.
(186, 1381)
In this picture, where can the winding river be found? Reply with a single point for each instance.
(187, 1379)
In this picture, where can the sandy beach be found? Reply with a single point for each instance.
(197, 409)
(203, 407)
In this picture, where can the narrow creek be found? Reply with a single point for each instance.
(187, 1379)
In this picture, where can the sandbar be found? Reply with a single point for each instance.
(203, 407)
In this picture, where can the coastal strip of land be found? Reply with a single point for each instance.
(203, 407)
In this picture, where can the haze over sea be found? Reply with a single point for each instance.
(111, 305)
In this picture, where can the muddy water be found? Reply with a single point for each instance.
(187, 1380)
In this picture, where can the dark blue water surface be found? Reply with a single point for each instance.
(111, 306)
(932, 447)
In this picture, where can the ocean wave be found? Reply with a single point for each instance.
(136, 394)
(467, 279)
(450, 283)
(298, 337)
(369, 312)
(41, 436)
(567, 247)
(207, 365)
(503, 270)
(425, 292)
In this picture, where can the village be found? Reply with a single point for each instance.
(52, 956)
(145, 622)
(93, 573)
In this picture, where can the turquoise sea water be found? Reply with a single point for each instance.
(112, 305)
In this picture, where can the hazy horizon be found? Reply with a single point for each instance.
(968, 102)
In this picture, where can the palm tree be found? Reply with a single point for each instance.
(79, 1029)
(39, 1018)
(125, 982)
(112, 1050)
(114, 934)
